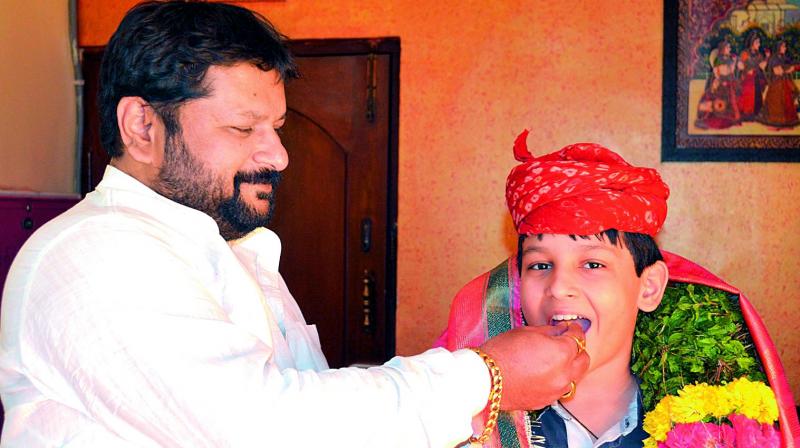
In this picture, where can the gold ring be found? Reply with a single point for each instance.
(581, 343)
(568, 395)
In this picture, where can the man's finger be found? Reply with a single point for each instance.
(572, 340)
(573, 329)
(559, 328)
(554, 330)
(570, 390)
(578, 367)
(580, 344)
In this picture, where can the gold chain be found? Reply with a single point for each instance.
(495, 395)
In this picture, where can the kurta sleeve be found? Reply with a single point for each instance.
(124, 327)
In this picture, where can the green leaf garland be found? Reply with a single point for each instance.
(696, 335)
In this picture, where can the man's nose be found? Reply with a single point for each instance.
(271, 153)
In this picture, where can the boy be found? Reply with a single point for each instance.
(586, 220)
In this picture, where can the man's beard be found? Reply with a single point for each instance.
(186, 180)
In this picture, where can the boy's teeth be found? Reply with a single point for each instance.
(580, 320)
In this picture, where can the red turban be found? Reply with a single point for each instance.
(583, 189)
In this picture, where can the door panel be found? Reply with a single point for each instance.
(310, 217)
(93, 157)
(344, 99)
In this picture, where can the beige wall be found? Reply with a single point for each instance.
(474, 74)
(37, 105)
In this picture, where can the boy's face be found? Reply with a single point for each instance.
(589, 279)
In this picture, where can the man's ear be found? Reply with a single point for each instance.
(136, 119)
(654, 281)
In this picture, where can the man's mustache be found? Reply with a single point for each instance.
(264, 176)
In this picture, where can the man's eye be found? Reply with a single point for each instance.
(279, 131)
(242, 130)
(538, 266)
(592, 265)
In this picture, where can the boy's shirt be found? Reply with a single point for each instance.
(560, 429)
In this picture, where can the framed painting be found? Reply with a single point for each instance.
(731, 80)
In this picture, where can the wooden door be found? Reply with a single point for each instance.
(93, 157)
(336, 209)
(337, 205)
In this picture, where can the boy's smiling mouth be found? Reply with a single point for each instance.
(577, 318)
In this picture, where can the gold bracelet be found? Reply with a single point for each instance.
(495, 395)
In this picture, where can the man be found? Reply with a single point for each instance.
(129, 321)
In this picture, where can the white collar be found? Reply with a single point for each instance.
(121, 189)
(624, 427)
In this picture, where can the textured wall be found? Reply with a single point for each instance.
(37, 105)
(473, 76)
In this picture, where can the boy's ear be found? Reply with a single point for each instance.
(136, 119)
(654, 281)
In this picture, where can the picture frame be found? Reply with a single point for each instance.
(710, 99)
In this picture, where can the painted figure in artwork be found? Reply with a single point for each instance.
(718, 107)
(752, 80)
(780, 101)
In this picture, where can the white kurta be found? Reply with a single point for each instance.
(128, 321)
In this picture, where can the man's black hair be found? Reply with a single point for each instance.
(643, 248)
(161, 52)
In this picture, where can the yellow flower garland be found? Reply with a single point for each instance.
(696, 402)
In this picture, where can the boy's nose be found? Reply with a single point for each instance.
(563, 284)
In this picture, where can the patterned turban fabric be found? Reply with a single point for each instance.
(583, 189)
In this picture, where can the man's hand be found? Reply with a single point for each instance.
(537, 364)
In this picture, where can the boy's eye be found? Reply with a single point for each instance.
(538, 266)
(592, 265)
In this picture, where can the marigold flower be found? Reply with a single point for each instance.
(753, 399)
(659, 421)
(677, 421)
